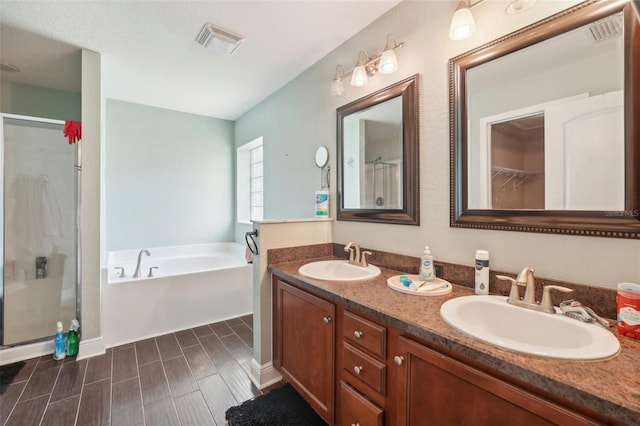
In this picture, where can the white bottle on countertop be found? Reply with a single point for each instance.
(426, 266)
(482, 272)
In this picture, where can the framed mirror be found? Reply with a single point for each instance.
(378, 171)
(544, 126)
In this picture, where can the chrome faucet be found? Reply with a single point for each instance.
(525, 279)
(137, 274)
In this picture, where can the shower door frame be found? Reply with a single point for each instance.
(78, 227)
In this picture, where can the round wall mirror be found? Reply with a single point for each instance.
(322, 156)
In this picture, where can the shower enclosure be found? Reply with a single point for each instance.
(383, 184)
(40, 209)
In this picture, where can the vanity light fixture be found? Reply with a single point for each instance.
(388, 60)
(367, 66)
(337, 88)
(359, 77)
(463, 24)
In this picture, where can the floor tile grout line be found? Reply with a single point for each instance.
(164, 371)
(46, 407)
(217, 371)
(84, 378)
(135, 352)
(111, 382)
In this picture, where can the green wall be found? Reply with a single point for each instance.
(169, 177)
(34, 101)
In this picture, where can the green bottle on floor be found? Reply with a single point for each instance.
(72, 338)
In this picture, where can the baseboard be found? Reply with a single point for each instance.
(90, 347)
(263, 376)
(24, 352)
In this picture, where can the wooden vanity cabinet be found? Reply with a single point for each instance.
(303, 351)
(357, 370)
(361, 369)
(434, 389)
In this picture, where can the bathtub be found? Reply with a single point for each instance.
(192, 285)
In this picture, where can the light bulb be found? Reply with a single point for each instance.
(462, 23)
(337, 88)
(388, 62)
(359, 77)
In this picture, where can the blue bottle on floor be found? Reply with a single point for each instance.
(60, 342)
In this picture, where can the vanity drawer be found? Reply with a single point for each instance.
(365, 334)
(365, 368)
(358, 410)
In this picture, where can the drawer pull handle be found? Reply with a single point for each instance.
(357, 369)
(326, 319)
(355, 424)
(358, 334)
(398, 359)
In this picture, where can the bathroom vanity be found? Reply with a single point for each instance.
(363, 354)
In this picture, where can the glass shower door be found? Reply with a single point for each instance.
(39, 212)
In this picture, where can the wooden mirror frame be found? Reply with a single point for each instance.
(619, 224)
(410, 212)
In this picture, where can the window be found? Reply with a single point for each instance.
(250, 192)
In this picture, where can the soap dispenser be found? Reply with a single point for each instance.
(482, 272)
(426, 266)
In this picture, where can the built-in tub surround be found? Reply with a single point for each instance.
(192, 285)
(603, 388)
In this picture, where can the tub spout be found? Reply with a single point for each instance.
(137, 273)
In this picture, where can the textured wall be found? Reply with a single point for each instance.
(301, 116)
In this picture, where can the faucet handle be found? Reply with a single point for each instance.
(514, 294)
(151, 271)
(547, 305)
(121, 273)
(363, 258)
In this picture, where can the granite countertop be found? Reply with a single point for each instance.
(610, 387)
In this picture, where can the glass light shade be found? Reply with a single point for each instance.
(337, 88)
(462, 24)
(388, 62)
(359, 77)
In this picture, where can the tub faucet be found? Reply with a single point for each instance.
(137, 274)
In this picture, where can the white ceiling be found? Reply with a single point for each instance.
(149, 54)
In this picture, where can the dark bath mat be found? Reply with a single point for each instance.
(7, 373)
(279, 407)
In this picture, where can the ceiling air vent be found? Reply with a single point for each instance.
(219, 40)
(606, 28)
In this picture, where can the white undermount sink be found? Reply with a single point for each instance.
(338, 270)
(493, 320)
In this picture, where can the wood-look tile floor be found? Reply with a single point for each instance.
(190, 377)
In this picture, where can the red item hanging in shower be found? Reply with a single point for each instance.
(73, 131)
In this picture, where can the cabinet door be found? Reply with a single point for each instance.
(434, 389)
(304, 334)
